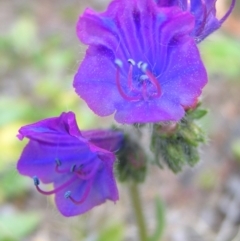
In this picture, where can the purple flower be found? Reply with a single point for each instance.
(204, 12)
(79, 164)
(141, 63)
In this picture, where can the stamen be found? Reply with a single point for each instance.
(64, 185)
(144, 90)
(143, 77)
(118, 62)
(139, 64)
(84, 176)
(130, 76)
(67, 194)
(152, 79)
(155, 82)
(126, 97)
(144, 67)
(131, 61)
(73, 167)
(36, 181)
(228, 12)
(204, 19)
(130, 85)
(58, 164)
(84, 196)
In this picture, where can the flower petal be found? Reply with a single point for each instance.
(105, 139)
(102, 188)
(39, 158)
(150, 111)
(185, 75)
(95, 81)
(52, 139)
(160, 38)
(49, 129)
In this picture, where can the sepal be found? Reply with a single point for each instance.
(131, 165)
(176, 144)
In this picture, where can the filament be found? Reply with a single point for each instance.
(126, 97)
(204, 20)
(64, 185)
(228, 12)
(84, 196)
(144, 90)
(83, 176)
(155, 82)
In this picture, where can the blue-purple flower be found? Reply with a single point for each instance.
(141, 63)
(204, 12)
(79, 164)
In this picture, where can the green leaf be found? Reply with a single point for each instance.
(12, 184)
(18, 226)
(198, 114)
(24, 35)
(221, 56)
(161, 222)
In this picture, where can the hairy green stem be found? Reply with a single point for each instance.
(137, 207)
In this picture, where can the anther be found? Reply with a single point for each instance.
(36, 181)
(131, 61)
(84, 195)
(57, 189)
(143, 77)
(67, 194)
(139, 64)
(72, 168)
(118, 62)
(144, 67)
(58, 162)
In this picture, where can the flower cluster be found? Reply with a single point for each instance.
(143, 65)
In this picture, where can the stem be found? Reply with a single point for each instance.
(137, 207)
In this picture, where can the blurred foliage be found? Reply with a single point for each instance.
(236, 149)
(112, 233)
(207, 179)
(221, 56)
(12, 184)
(16, 226)
(160, 220)
(47, 92)
(36, 77)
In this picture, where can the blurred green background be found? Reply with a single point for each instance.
(39, 54)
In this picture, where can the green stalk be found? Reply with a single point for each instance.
(137, 207)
